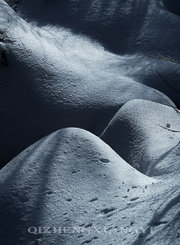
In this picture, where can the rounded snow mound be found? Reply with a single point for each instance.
(72, 188)
(144, 133)
(70, 178)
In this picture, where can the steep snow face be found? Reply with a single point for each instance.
(73, 180)
(145, 134)
(51, 78)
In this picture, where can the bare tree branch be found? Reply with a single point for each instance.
(171, 130)
(165, 58)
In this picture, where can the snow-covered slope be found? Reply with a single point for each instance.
(98, 65)
(133, 27)
(51, 78)
(144, 133)
(123, 26)
(73, 180)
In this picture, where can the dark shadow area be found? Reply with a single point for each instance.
(172, 5)
(150, 171)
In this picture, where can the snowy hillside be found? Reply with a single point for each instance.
(73, 179)
(90, 125)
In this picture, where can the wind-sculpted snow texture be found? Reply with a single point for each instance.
(132, 28)
(75, 74)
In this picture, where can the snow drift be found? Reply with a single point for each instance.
(54, 79)
(97, 65)
(143, 133)
(73, 179)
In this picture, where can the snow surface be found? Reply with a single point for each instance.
(144, 133)
(73, 179)
(57, 79)
(73, 69)
(131, 28)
